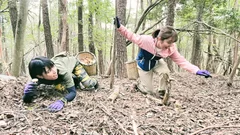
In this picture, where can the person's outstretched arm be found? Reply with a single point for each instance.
(29, 92)
(59, 104)
(183, 63)
(145, 42)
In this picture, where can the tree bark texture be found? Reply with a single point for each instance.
(1, 52)
(170, 22)
(64, 27)
(41, 52)
(136, 18)
(142, 9)
(19, 39)
(80, 26)
(13, 14)
(47, 29)
(121, 41)
(235, 66)
(90, 34)
(60, 25)
(196, 49)
(210, 58)
(100, 62)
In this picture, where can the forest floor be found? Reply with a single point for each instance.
(197, 106)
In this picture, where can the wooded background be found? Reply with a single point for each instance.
(209, 31)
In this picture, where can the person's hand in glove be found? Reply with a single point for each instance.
(204, 73)
(30, 87)
(57, 106)
(117, 22)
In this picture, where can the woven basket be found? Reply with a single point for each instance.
(132, 71)
(88, 61)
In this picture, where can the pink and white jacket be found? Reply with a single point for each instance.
(148, 43)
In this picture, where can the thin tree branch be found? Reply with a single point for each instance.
(145, 13)
(221, 31)
(144, 31)
(233, 126)
(213, 29)
(105, 110)
(143, 17)
(4, 10)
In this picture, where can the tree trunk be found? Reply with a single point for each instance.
(100, 62)
(136, 18)
(213, 54)
(60, 25)
(1, 53)
(235, 66)
(235, 34)
(142, 10)
(170, 22)
(47, 29)
(80, 26)
(196, 49)
(1, 44)
(19, 38)
(39, 31)
(144, 21)
(90, 34)
(13, 14)
(228, 66)
(121, 41)
(209, 65)
(64, 39)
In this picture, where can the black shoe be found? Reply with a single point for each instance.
(96, 86)
(161, 93)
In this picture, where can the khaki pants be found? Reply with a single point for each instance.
(146, 78)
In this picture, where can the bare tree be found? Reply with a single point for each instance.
(39, 31)
(13, 14)
(47, 29)
(90, 34)
(196, 49)
(1, 61)
(136, 18)
(19, 38)
(63, 26)
(90, 27)
(235, 66)
(80, 25)
(170, 22)
(121, 41)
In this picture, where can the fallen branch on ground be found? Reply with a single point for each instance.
(104, 109)
(159, 101)
(201, 130)
(114, 94)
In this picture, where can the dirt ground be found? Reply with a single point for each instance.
(198, 106)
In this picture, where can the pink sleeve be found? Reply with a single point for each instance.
(145, 42)
(183, 63)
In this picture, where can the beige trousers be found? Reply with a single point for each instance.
(145, 82)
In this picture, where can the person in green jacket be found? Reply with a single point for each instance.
(65, 72)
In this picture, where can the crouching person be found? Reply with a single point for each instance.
(62, 71)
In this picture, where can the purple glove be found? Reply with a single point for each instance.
(56, 106)
(30, 87)
(204, 73)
